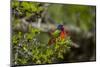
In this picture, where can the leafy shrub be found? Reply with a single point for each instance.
(27, 49)
(25, 9)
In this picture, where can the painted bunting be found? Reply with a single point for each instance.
(58, 33)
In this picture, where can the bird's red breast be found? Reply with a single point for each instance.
(62, 35)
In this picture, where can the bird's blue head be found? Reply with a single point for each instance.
(60, 27)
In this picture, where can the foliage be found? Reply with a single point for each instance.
(30, 50)
(24, 8)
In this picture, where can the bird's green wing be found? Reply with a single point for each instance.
(56, 33)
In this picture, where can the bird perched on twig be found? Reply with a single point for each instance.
(59, 32)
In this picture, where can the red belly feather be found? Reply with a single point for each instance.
(62, 35)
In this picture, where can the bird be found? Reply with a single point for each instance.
(58, 33)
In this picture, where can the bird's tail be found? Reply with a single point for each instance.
(51, 41)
